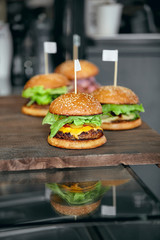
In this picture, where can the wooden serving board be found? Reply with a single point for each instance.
(24, 146)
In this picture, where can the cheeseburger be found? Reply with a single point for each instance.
(76, 199)
(120, 107)
(86, 81)
(75, 122)
(41, 90)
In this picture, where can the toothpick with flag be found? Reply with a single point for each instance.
(76, 44)
(77, 67)
(107, 210)
(111, 55)
(49, 47)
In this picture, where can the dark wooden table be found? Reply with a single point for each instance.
(23, 144)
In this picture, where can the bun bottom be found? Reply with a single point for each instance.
(37, 112)
(75, 210)
(77, 144)
(124, 125)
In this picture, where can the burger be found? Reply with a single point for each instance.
(40, 91)
(76, 199)
(75, 122)
(120, 107)
(86, 81)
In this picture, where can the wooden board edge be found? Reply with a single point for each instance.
(79, 161)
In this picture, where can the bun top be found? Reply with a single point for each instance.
(115, 95)
(88, 69)
(71, 104)
(52, 80)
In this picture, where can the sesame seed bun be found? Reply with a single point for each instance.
(115, 95)
(114, 182)
(52, 80)
(80, 104)
(123, 125)
(73, 210)
(88, 69)
(71, 104)
(77, 144)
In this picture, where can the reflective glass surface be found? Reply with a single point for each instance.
(91, 203)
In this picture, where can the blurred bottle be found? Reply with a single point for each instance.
(28, 57)
(69, 20)
(17, 19)
(5, 58)
(40, 29)
(41, 32)
(5, 51)
(31, 25)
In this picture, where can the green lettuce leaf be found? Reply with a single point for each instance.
(58, 121)
(42, 96)
(109, 118)
(79, 197)
(50, 118)
(122, 109)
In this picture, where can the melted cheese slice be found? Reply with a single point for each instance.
(77, 131)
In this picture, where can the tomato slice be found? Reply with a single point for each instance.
(66, 125)
(80, 126)
(90, 125)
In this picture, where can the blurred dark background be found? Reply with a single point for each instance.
(26, 24)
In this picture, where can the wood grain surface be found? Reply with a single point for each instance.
(24, 146)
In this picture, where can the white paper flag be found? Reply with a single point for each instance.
(108, 210)
(77, 65)
(110, 55)
(50, 47)
(76, 40)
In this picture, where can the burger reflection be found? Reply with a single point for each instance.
(77, 199)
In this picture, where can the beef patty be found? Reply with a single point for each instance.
(91, 134)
